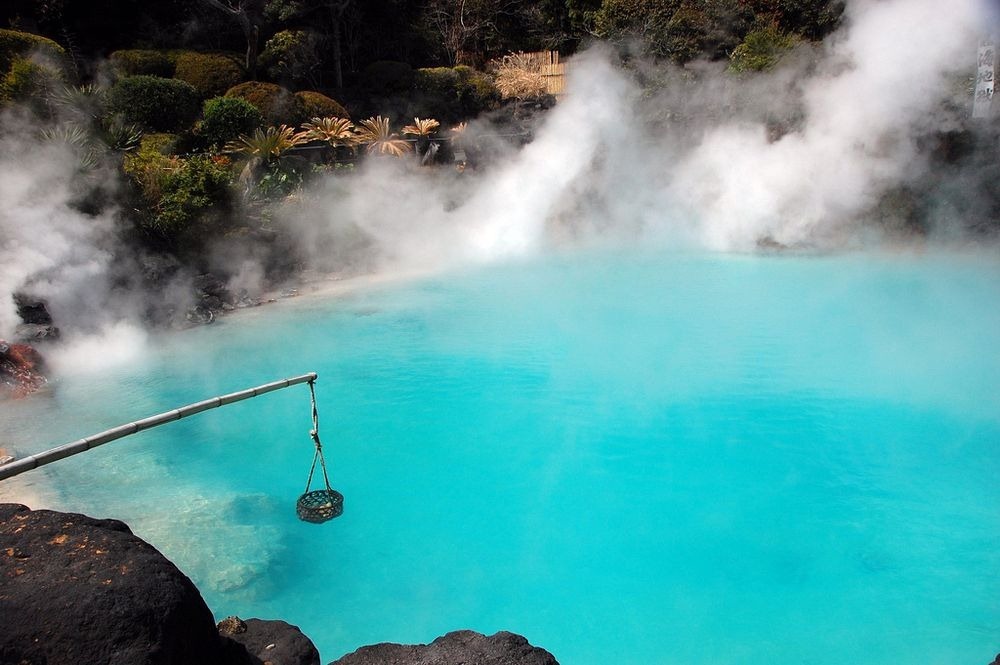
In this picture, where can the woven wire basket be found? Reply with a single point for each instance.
(319, 506)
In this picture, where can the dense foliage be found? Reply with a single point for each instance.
(761, 49)
(135, 62)
(211, 74)
(15, 44)
(318, 105)
(293, 57)
(278, 105)
(30, 83)
(453, 94)
(154, 103)
(225, 118)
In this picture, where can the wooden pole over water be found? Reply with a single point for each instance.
(66, 450)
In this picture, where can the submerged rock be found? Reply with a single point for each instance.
(274, 642)
(462, 646)
(74, 589)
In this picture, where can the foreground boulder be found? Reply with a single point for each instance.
(74, 589)
(463, 647)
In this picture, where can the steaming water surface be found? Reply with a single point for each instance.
(628, 459)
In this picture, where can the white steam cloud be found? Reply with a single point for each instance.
(698, 162)
(43, 239)
(694, 157)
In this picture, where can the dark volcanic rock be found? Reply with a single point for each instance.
(463, 647)
(274, 642)
(32, 310)
(74, 589)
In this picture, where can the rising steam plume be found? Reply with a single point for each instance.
(693, 157)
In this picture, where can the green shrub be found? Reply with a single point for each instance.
(761, 49)
(29, 82)
(451, 94)
(148, 167)
(478, 92)
(318, 105)
(140, 62)
(292, 56)
(225, 118)
(649, 20)
(278, 105)
(14, 44)
(671, 29)
(154, 103)
(195, 201)
(211, 74)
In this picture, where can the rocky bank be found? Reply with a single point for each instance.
(74, 589)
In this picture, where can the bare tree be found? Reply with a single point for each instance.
(336, 12)
(248, 14)
(464, 25)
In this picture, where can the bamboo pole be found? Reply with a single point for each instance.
(66, 450)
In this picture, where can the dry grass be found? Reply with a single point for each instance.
(519, 77)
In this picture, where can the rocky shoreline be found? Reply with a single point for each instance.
(78, 589)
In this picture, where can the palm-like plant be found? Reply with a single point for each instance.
(267, 144)
(422, 127)
(333, 130)
(376, 133)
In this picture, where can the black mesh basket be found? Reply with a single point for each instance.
(318, 506)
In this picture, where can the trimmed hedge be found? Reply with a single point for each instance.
(318, 105)
(211, 74)
(30, 83)
(278, 105)
(225, 118)
(14, 44)
(155, 103)
(143, 62)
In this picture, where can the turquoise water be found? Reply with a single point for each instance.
(627, 458)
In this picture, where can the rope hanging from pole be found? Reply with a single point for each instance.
(320, 505)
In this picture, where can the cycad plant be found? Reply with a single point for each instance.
(333, 130)
(267, 144)
(269, 170)
(375, 132)
(422, 127)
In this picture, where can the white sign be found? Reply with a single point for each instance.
(983, 100)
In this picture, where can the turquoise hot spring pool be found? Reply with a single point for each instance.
(626, 457)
